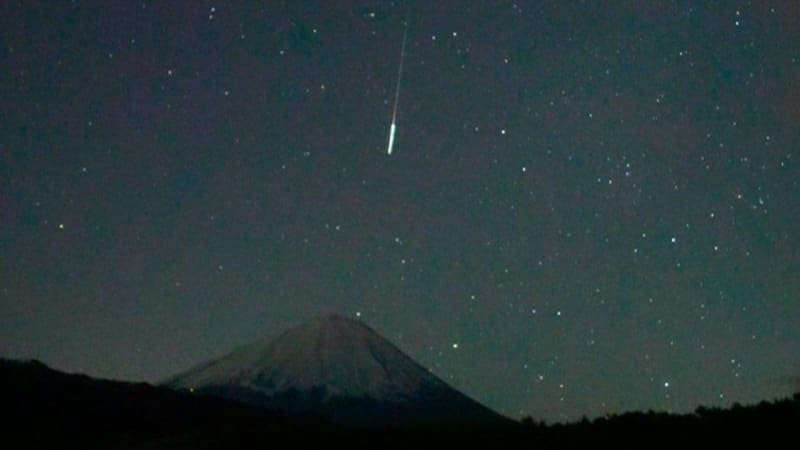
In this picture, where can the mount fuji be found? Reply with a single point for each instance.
(339, 369)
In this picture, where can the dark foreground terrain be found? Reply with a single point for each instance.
(44, 408)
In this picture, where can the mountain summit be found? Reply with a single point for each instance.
(340, 369)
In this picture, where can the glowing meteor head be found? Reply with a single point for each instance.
(392, 129)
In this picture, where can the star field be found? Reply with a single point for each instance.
(590, 207)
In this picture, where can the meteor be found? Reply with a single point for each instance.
(392, 129)
(393, 126)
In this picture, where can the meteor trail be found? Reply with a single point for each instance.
(393, 126)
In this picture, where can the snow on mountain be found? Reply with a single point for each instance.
(336, 367)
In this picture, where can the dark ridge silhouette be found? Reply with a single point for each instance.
(44, 408)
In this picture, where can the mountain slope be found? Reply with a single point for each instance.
(338, 368)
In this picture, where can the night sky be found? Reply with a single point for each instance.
(591, 207)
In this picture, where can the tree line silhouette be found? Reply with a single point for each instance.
(45, 408)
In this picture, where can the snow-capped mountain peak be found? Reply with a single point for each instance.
(336, 367)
